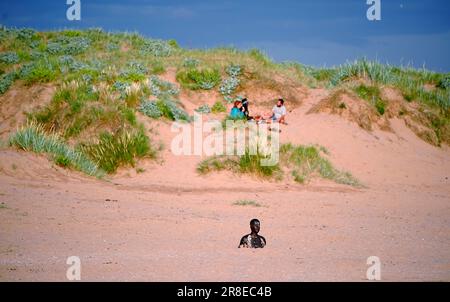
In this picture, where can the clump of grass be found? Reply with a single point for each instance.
(157, 48)
(245, 203)
(196, 79)
(164, 108)
(321, 75)
(6, 81)
(246, 164)
(373, 95)
(373, 71)
(218, 107)
(302, 162)
(217, 163)
(150, 109)
(129, 115)
(41, 71)
(444, 83)
(306, 162)
(203, 109)
(260, 57)
(10, 57)
(251, 164)
(68, 45)
(230, 84)
(161, 88)
(3, 205)
(140, 170)
(71, 109)
(135, 72)
(171, 110)
(368, 92)
(190, 62)
(122, 148)
(33, 137)
(157, 67)
(133, 94)
(410, 81)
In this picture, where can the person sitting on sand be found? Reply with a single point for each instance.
(246, 112)
(278, 113)
(253, 240)
(244, 108)
(236, 112)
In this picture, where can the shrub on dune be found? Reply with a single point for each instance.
(32, 137)
(247, 164)
(6, 81)
(196, 79)
(230, 84)
(260, 57)
(150, 109)
(161, 88)
(190, 62)
(134, 72)
(112, 150)
(41, 71)
(203, 109)
(164, 108)
(9, 57)
(301, 162)
(373, 95)
(305, 162)
(68, 45)
(218, 107)
(444, 83)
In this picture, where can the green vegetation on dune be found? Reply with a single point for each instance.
(33, 137)
(6, 81)
(121, 148)
(306, 162)
(302, 163)
(104, 79)
(75, 107)
(411, 82)
(429, 90)
(373, 95)
(218, 107)
(196, 79)
(167, 108)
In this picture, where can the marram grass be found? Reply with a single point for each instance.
(32, 137)
(302, 162)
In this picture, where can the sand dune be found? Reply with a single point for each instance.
(169, 223)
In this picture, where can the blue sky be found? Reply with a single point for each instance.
(313, 32)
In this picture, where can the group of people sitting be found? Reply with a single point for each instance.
(277, 115)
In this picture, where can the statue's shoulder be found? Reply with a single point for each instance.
(245, 240)
(263, 239)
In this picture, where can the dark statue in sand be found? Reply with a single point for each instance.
(253, 240)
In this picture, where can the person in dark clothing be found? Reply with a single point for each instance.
(253, 240)
(244, 108)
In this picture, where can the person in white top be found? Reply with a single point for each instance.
(279, 112)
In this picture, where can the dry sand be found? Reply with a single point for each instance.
(170, 224)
